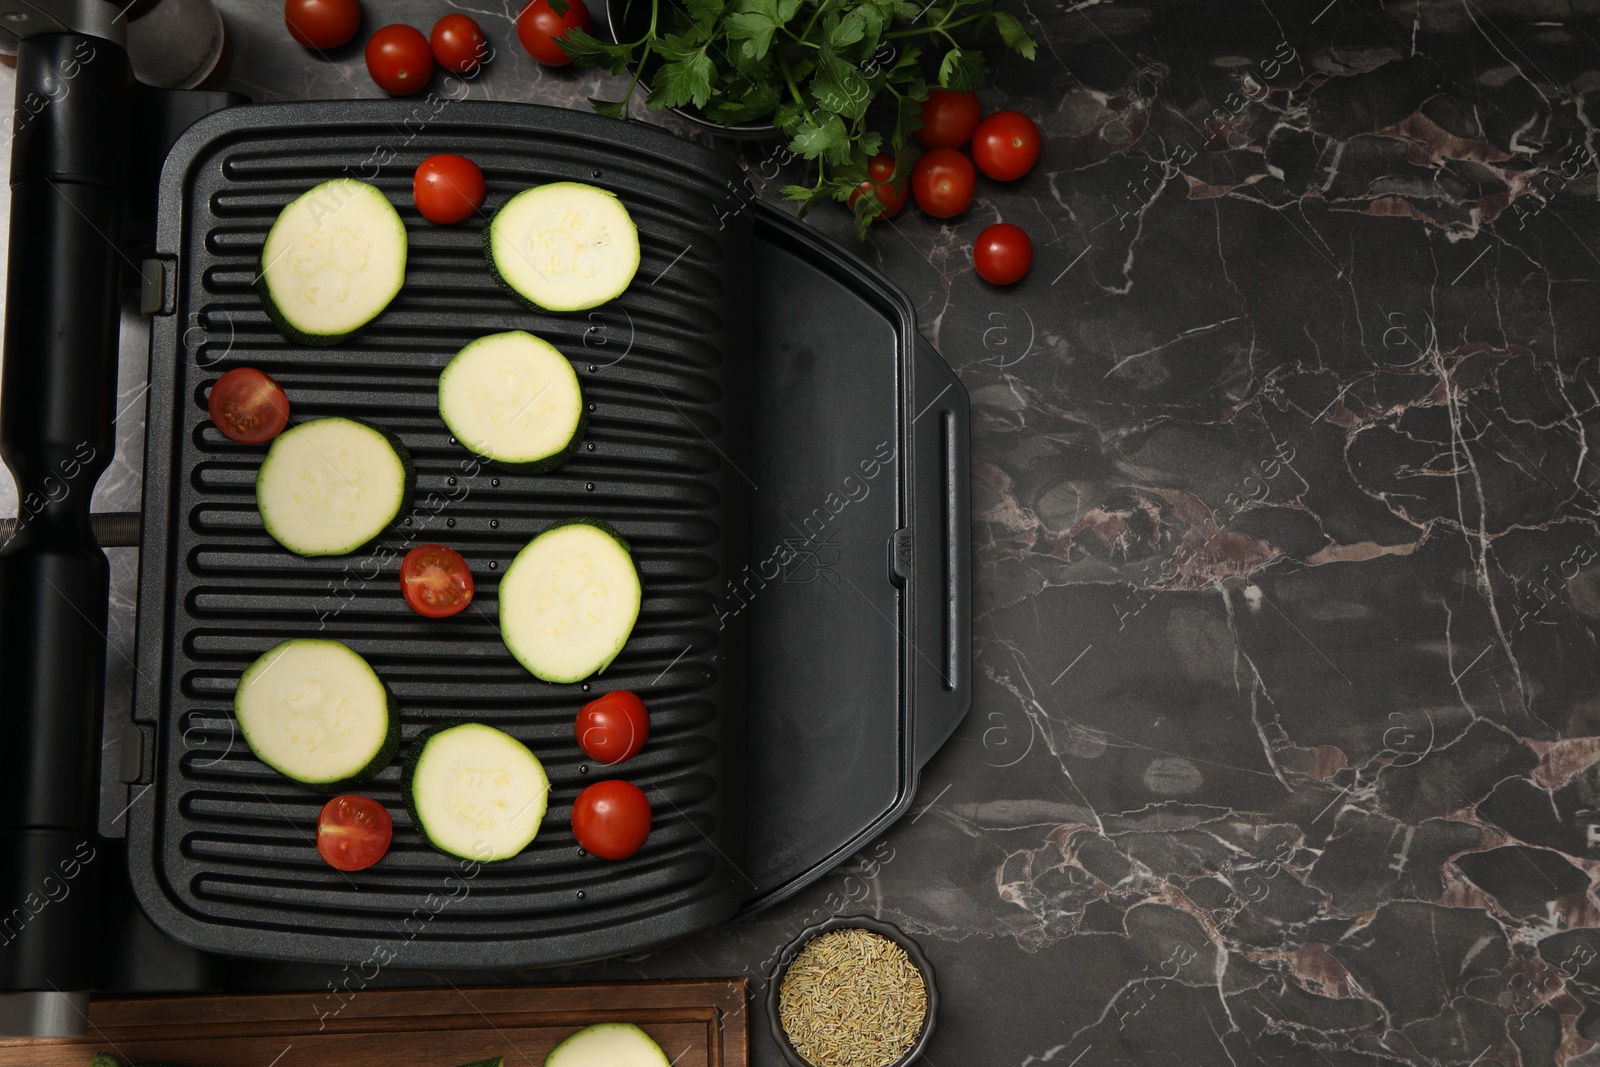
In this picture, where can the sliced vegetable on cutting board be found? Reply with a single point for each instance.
(513, 398)
(436, 581)
(569, 600)
(329, 486)
(608, 1045)
(475, 792)
(248, 406)
(315, 711)
(611, 819)
(353, 832)
(334, 259)
(565, 246)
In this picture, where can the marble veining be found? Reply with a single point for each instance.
(1285, 745)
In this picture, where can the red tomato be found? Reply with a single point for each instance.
(436, 581)
(611, 819)
(948, 118)
(447, 188)
(880, 168)
(353, 832)
(539, 29)
(1003, 253)
(1006, 145)
(942, 182)
(399, 59)
(248, 406)
(322, 23)
(613, 728)
(458, 43)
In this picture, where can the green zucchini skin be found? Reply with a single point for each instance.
(408, 770)
(288, 329)
(599, 524)
(550, 462)
(408, 488)
(413, 759)
(505, 283)
(381, 759)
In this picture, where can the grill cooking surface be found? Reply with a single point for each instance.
(230, 864)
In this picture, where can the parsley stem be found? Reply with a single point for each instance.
(940, 28)
(815, 15)
(788, 77)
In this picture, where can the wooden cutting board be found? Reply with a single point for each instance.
(697, 1022)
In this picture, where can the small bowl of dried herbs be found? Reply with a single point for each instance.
(852, 991)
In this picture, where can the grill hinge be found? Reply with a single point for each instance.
(157, 285)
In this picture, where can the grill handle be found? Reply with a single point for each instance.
(943, 558)
(56, 413)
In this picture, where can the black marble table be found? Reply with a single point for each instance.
(1284, 741)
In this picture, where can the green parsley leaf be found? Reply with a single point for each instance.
(848, 30)
(683, 81)
(593, 52)
(703, 13)
(962, 69)
(814, 140)
(612, 109)
(1014, 34)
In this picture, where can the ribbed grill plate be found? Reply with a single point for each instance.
(221, 847)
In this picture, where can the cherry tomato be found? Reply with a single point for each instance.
(447, 188)
(611, 819)
(248, 406)
(353, 832)
(399, 59)
(1003, 254)
(1006, 145)
(942, 182)
(436, 581)
(322, 23)
(539, 29)
(948, 118)
(880, 168)
(458, 43)
(613, 728)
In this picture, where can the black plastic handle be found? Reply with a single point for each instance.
(57, 406)
(940, 420)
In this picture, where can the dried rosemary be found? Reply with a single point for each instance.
(852, 998)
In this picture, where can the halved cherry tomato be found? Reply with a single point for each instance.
(248, 406)
(399, 59)
(948, 118)
(322, 23)
(458, 44)
(613, 728)
(1006, 145)
(539, 29)
(447, 188)
(1003, 253)
(943, 182)
(880, 168)
(436, 581)
(611, 819)
(353, 832)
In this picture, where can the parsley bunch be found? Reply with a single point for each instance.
(833, 75)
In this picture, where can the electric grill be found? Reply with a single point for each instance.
(788, 457)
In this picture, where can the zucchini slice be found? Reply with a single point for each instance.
(515, 399)
(329, 486)
(315, 711)
(569, 600)
(475, 792)
(608, 1045)
(332, 261)
(565, 246)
